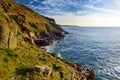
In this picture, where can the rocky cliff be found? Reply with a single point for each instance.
(21, 31)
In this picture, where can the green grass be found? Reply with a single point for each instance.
(10, 52)
(25, 55)
(2, 18)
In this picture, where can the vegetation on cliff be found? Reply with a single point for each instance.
(21, 30)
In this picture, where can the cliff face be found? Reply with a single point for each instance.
(21, 29)
(21, 19)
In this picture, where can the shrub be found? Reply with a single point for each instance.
(10, 52)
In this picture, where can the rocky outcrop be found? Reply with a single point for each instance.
(8, 37)
(27, 21)
(44, 69)
(21, 29)
(44, 42)
(78, 72)
(4, 34)
(83, 73)
(52, 20)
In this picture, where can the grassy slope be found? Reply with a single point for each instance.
(20, 20)
(27, 56)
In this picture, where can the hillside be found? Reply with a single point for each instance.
(21, 32)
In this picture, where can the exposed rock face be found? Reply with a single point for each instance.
(20, 30)
(4, 34)
(78, 72)
(43, 69)
(44, 42)
(8, 37)
(83, 73)
(28, 22)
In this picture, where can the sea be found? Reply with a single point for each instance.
(96, 47)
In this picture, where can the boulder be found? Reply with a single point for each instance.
(44, 69)
(39, 68)
(8, 37)
(43, 42)
(47, 71)
(4, 34)
(12, 40)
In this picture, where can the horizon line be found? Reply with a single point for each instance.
(88, 26)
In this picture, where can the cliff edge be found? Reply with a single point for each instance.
(21, 32)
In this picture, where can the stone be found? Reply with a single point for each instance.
(47, 71)
(31, 34)
(29, 40)
(44, 69)
(12, 40)
(4, 34)
(8, 37)
(39, 68)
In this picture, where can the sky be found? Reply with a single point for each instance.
(78, 12)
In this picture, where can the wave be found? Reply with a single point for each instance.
(59, 55)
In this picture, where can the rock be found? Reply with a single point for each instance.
(52, 20)
(29, 40)
(90, 73)
(43, 42)
(39, 68)
(8, 37)
(58, 35)
(31, 35)
(84, 73)
(45, 69)
(4, 34)
(12, 40)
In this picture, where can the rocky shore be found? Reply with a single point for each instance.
(21, 32)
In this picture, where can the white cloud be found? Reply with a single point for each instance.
(96, 1)
(61, 3)
(77, 12)
(54, 3)
(103, 9)
(39, 8)
(33, 1)
(89, 20)
(55, 12)
(105, 17)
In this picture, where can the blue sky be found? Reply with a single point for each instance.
(78, 12)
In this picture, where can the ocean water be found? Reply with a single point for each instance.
(98, 48)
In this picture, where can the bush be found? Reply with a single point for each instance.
(56, 67)
(10, 52)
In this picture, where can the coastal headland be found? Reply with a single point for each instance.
(22, 31)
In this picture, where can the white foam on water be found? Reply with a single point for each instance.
(117, 68)
(59, 55)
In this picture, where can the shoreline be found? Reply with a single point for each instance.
(22, 32)
(77, 66)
